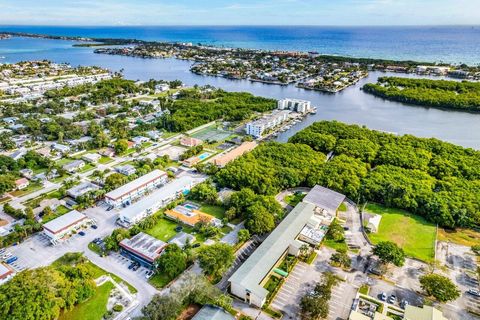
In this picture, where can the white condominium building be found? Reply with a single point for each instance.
(258, 127)
(297, 105)
(125, 194)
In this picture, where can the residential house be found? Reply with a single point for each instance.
(74, 166)
(190, 142)
(21, 183)
(127, 169)
(91, 157)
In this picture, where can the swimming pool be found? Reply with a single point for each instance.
(204, 155)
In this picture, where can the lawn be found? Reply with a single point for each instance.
(411, 232)
(60, 211)
(294, 199)
(105, 160)
(92, 309)
(216, 211)
(32, 187)
(159, 280)
(341, 245)
(87, 167)
(64, 161)
(163, 230)
(464, 237)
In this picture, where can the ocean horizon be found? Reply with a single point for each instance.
(450, 44)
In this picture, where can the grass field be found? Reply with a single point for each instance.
(92, 309)
(105, 160)
(216, 211)
(411, 232)
(32, 187)
(464, 237)
(163, 230)
(159, 280)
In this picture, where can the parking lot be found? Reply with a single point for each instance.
(302, 279)
(125, 262)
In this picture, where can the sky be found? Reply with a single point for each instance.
(239, 12)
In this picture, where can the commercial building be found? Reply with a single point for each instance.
(59, 228)
(156, 200)
(190, 215)
(209, 312)
(82, 189)
(424, 313)
(224, 159)
(304, 224)
(297, 105)
(258, 127)
(125, 194)
(6, 273)
(142, 248)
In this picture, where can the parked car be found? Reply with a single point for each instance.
(178, 228)
(375, 271)
(136, 266)
(109, 208)
(474, 292)
(383, 296)
(94, 226)
(82, 233)
(11, 260)
(404, 304)
(392, 299)
(132, 265)
(148, 274)
(346, 228)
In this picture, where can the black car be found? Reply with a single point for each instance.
(132, 265)
(178, 228)
(94, 226)
(136, 266)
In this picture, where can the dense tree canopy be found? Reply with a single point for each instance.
(389, 252)
(435, 179)
(42, 293)
(440, 287)
(463, 95)
(196, 107)
(216, 259)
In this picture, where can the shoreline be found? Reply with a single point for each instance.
(132, 41)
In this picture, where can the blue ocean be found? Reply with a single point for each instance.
(452, 44)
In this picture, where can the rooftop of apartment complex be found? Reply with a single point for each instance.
(135, 184)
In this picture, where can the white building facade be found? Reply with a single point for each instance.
(297, 105)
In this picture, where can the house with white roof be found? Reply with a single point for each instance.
(58, 229)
